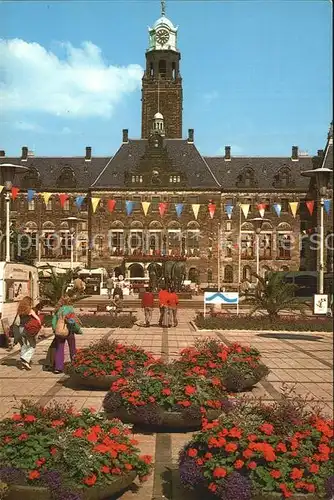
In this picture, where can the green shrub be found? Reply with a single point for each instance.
(105, 321)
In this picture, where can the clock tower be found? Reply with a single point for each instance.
(162, 82)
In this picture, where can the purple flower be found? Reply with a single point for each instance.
(12, 475)
(329, 487)
(236, 487)
(190, 472)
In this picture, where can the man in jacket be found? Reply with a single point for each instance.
(163, 304)
(147, 304)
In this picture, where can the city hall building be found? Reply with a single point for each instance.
(159, 199)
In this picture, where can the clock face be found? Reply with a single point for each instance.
(162, 36)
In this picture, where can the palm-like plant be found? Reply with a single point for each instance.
(274, 295)
(58, 284)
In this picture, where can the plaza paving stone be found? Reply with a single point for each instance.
(303, 360)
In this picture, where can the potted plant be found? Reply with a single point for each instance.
(262, 452)
(57, 453)
(98, 365)
(161, 397)
(238, 367)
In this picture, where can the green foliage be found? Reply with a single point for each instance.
(102, 321)
(3, 490)
(58, 284)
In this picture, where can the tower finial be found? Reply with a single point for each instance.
(163, 8)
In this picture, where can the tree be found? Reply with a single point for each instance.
(273, 295)
(58, 285)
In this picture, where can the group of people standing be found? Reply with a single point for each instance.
(28, 323)
(168, 305)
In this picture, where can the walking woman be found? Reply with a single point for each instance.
(29, 326)
(65, 310)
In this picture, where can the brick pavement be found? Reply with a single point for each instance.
(303, 360)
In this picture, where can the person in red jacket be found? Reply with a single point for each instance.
(163, 305)
(173, 302)
(147, 304)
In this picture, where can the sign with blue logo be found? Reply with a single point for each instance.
(229, 298)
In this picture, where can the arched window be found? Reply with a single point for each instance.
(31, 179)
(248, 177)
(162, 68)
(228, 274)
(193, 275)
(247, 273)
(66, 178)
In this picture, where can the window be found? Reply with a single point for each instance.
(193, 242)
(31, 205)
(247, 273)
(66, 178)
(155, 203)
(119, 204)
(83, 226)
(151, 70)
(265, 246)
(65, 245)
(228, 274)
(248, 177)
(228, 248)
(209, 275)
(136, 241)
(83, 248)
(174, 241)
(285, 205)
(228, 225)
(284, 246)
(247, 245)
(49, 243)
(117, 242)
(174, 179)
(162, 68)
(155, 243)
(49, 205)
(173, 70)
(66, 205)
(137, 179)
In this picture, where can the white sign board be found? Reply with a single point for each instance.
(227, 298)
(320, 304)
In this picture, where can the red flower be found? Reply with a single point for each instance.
(281, 447)
(34, 474)
(184, 403)
(252, 465)
(314, 468)
(238, 464)
(92, 437)
(219, 472)
(231, 447)
(40, 462)
(267, 429)
(248, 453)
(7, 439)
(90, 480)
(146, 458)
(16, 417)
(53, 451)
(252, 437)
(235, 432)
(23, 437)
(212, 487)
(30, 418)
(115, 431)
(79, 433)
(192, 452)
(57, 423)
(166, 392)
(215, 381)
(296, 473)
(286, 492)
(128, 466)
(189, 390)
(275, 473)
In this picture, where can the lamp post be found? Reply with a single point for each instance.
(218, 256)
(7, 175)
(72, 221)
(321, 176)
(258, 222)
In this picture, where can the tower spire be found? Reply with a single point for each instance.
(163, 8)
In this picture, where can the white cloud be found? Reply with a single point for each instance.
(210, 96)
(80, 85)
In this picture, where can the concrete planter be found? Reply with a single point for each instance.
(26, 492)
(171, 420)
(92, 382)
(233, 387)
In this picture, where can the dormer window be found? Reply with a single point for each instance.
(247, 178)
(136, 179)
(174, 179)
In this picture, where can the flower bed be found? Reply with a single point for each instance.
(246, 322)
(100, 321)
(162, 399)
(238, 367)
(59, 454)
(98, 365)
(262, 452)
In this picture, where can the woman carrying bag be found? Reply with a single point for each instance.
(25, 333)
(65, 325)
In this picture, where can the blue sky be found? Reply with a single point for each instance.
(256, 74)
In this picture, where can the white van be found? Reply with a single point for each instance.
(16, 281)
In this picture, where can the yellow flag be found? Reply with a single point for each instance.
(1, 188)
(146, 206)
(46, 197)
(245, 209)
(95, 202)
(196, 207)
(294, 207)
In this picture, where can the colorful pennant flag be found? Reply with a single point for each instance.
(310, 206)
(162, 209)
(145, 205)
(245, 209)
(293, 207)
(95, 203)
(111, 205)
(63, 197)
(46, 197)
(1, 188)
(195, 207)
(278, 209)
(129, 205)
(262, 208)
(79, 201)
(212, 209)
(327, 204)
(30, 194)
(179, 209)
(229, 210)
(15, 192)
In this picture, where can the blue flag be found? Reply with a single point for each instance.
(79, 201)
(179, 208)
(229, 210)
(278, 208)
(31, 194)
(129, 207)
(327, 205)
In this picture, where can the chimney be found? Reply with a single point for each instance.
(320, 152)
(125, 135)
(88, 156)
(294, 156)
(2, 153)
(190, 135)
(24, 155)
(227, 153)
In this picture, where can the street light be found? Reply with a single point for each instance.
(72, 221)
(258, 222)
(7, 175)
(322, 176)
